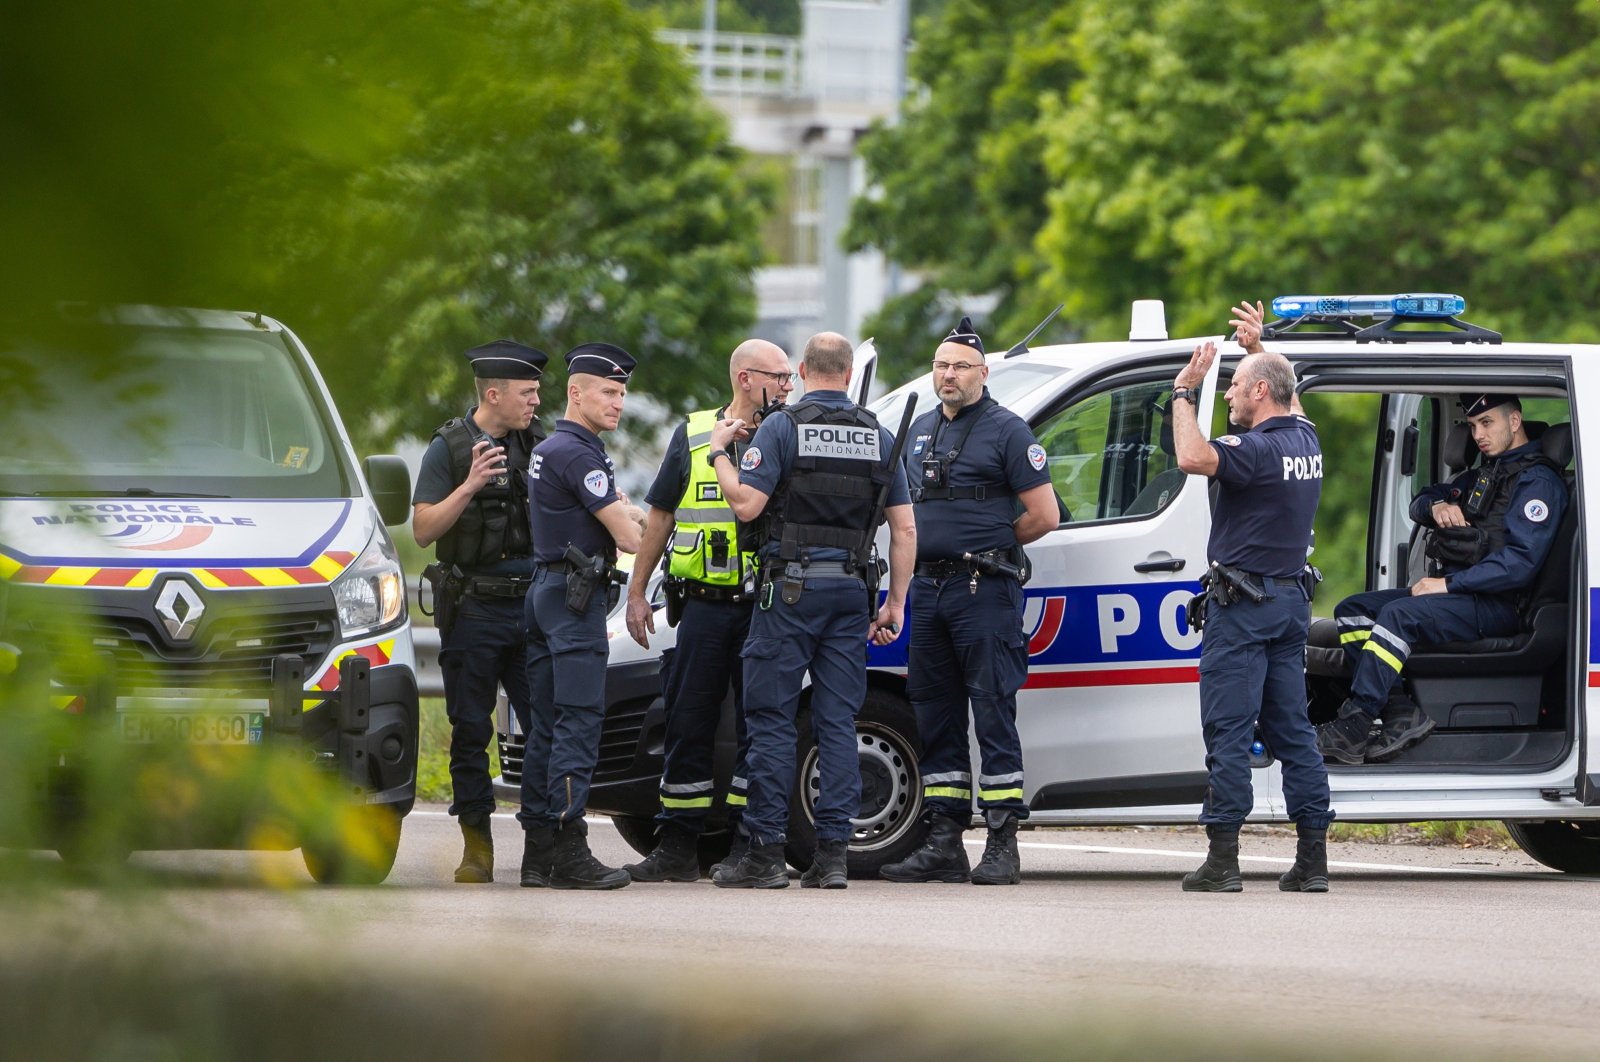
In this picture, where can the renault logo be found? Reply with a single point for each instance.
(180, 609)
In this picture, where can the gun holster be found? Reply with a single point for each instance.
(446, 584)
(672, 589)
(584, 575)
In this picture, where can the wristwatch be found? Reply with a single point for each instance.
(711, 458)
(1188, 394)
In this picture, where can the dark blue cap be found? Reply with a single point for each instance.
(1473, 404)
(966, 335)
(605, 360)
(506, 359)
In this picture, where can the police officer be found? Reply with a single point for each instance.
(972, 462)
(821, 473)
(711, 578)
(579, 524)
(1252, 661)
(471, 499)
(1491, 531)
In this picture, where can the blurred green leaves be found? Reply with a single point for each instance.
(395, 181)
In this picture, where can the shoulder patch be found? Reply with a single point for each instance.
(751, 460)
(596, 483)
(921, 443)
(1036, 456)
(1536, 511)
(1228, 440)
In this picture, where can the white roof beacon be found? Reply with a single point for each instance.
(1148, 321)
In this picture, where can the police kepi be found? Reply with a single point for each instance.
(1258, 607)
(579, 525)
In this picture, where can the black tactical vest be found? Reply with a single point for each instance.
(494, 525)
(829, 498)
(1506, 474)
(1486, 534)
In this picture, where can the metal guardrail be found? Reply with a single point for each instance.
(741, 64)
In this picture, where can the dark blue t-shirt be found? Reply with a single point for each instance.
(1269, 482)
(435, 483)
(769, 461)
(569, 480)
(997, 452)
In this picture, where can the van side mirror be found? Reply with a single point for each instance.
(390, 482)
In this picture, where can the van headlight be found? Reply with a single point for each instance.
(370, 594)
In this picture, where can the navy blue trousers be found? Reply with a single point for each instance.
(1378, 629)
(967, 648)
(696, 676)
(825, 633)
(1253, 666)
(487, 648)
(567, 678)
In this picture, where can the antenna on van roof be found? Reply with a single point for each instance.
(1022, 348)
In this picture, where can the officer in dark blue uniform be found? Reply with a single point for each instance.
(471, 499)
(1490, 533)
(1257, 609)
(579, 524)
(822, 474)
(973, 464)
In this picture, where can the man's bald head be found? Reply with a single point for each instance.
(757, 354)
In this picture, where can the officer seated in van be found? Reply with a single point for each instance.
(1489, 530)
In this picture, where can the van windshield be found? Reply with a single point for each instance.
(122, 410)
(1008, 382)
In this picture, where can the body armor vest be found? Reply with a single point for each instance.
(494, 525)
(705, 542)
(1485, 508)
(830, 497)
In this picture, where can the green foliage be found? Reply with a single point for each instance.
(733, 16)
(397, 184)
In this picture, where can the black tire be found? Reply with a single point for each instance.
(358, 853)
(1572, 847)
(640, 835)
(889, 826)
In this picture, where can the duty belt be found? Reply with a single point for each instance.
(943, 569)
(822, 570)
(495, 586)
(560, 567)
(705, 592)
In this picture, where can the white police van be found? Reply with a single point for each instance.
(1109, 716)
(179, 501)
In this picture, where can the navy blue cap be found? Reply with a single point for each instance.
(966, 335)
(605, 360)
(1473, 404)
(506, 359)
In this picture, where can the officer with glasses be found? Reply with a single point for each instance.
(980, 490)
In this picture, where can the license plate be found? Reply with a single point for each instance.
(197, 728)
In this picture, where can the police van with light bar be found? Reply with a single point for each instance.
(190, 553)
(1109, 715)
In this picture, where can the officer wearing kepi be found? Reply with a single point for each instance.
(710, 594)
(823, 475)
(471, 500)
(579, 524)
(1256, 609)
(972, 462)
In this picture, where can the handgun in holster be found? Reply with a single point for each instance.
(447, 584)
(584, 576)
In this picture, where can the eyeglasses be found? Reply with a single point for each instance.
(781, 377)
(942, 367)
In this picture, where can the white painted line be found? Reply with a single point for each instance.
(1281, 861)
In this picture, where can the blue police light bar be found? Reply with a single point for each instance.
(1431, 304)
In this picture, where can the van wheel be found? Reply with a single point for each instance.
(1573, 847)
(888, 827)
(358, 848)
(640, 834)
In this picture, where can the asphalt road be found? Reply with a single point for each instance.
(1430, 950)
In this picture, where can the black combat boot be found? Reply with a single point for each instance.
(1220, 871)
(942, 856)
(1344, 739)
(477, 853)
(762, 867)
(1001, 864)
(827, 869)
(1310, 870)
(538, 854)
(1404, 724)
(736, 851)
(676, 858)
(576, 868)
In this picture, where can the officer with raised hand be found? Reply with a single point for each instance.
(821, 474)
(1257, 609)
(1490, 533)
(711, 578)
(471, 499)
(579, 524)
(972, 463)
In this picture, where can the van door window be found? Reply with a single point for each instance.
(1111, 454)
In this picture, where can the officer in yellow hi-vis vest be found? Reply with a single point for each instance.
(710, 581)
